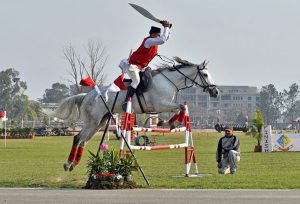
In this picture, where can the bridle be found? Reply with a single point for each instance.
(204, 84)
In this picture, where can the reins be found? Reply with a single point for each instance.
(171, 61)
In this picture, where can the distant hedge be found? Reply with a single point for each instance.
(17, 132)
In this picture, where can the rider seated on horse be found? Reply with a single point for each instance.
(143, 56)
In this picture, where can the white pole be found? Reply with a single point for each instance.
(207, 113)
(107, 134)
(5, 133)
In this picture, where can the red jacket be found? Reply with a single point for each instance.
(143, 56)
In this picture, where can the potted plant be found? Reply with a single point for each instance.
(108, 170)
(126, 166)
(95, 164)
(257, 123)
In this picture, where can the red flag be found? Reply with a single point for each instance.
(87, 82)
(119, 82)
(2, 114)
(117, 85)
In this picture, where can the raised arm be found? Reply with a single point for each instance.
(160, 40)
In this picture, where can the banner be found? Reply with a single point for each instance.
(279, 142)
(266, 140)
(286, 142)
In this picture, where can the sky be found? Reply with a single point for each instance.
(247, 42)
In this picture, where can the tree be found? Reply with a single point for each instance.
(20, 107)
(10, 87)
(35, 110)
(56, 93)
(270, 104)
(95, 63)
(297, 111)
(257, 123)
(13, 99)
(291, 101)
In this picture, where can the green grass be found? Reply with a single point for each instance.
(38, 163)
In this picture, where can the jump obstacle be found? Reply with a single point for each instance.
(188, 145)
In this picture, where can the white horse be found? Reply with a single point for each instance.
(161, 96)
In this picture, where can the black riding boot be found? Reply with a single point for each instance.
(130, 93)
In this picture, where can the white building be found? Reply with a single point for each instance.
(233, 105)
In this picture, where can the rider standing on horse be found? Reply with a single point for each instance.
(143, 56)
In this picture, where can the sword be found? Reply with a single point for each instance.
(146, 13)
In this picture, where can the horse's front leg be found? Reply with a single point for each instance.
(171, 107)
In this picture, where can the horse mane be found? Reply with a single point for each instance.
(179, 63)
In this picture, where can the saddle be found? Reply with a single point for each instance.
(145, 81)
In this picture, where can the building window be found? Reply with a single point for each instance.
(225, 97)
(202, 104)
(215, 98)
(202, 98)
(249, 98)
(191, 90)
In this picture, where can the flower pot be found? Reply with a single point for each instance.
(119, 179)
(257, 148)
(128, 177)
(100, 174)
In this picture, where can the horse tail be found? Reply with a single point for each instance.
(69, 107)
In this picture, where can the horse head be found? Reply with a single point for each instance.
(202, 77)
(211, 86)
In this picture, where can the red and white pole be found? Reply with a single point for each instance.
(126, 128)
(189, 150)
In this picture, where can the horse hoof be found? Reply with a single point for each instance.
(66, 167)
(172, 126)
(71, 168)
(161, 123)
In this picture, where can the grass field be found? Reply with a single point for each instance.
(38, 163)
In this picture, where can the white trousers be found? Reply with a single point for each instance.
(133, 72)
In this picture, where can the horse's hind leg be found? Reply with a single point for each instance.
(73, 152)
(78, 156)
(79, 142)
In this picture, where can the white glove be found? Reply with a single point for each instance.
(123, 65)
